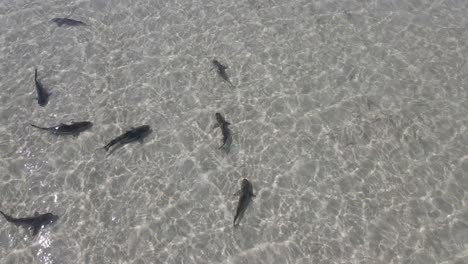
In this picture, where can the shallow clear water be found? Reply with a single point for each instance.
(349, 118)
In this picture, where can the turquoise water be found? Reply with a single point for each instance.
(349, 118)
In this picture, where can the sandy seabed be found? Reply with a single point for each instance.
(348, 117)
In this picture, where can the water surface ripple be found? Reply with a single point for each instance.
(349, 118)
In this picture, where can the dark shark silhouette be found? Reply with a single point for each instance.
(75, 128)
(42, 94)
(67, 21)
(35, 223)
(224, 125)
(245, 196)
(134, 134)
(221, 69)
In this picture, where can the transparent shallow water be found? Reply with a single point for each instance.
(349, 118)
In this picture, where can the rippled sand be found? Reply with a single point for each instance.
(348, 117)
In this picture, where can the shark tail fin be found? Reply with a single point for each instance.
(7, 217)
(100, 148)
(38, 127)
(107, 147)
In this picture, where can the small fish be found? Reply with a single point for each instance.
(245, 196)
(35, 223)
(42, 94)
(75, 128)
(221, 69)
(134, 134)
(67, 21)
(224, 125)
